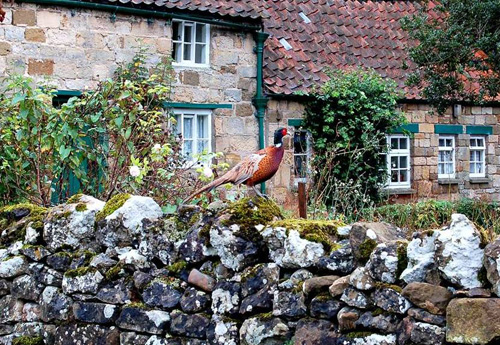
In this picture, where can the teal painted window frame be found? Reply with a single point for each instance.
(448, 129)
(479, 130)
(295, 122)
(409, 127)
(198, 105)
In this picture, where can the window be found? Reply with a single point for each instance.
(191, 43)
(446, 157)
(301, 153)
(398, 161)
(194, 126)
(477, 157)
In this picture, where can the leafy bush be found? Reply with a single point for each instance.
(118, 138)
(349, 118)
(434, 214)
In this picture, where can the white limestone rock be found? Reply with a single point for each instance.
(290, 250)
(134, 210)
(255, 331)
(420, 253)
(458, 252)
(88, 282)
(361, 279)
(13, 267)
(67, 226)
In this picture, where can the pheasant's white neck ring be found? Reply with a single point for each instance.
(278, 145)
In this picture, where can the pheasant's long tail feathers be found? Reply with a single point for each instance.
(214, 184)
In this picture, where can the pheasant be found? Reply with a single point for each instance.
(253, 169)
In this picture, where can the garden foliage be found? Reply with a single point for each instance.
(457, 53)
(349, 118)
(118, 138)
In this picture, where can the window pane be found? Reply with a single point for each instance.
(188, 128)
(176, 52)
(299, 142)
(176, 31)
(403, 176)
(177, 124)
(202, 126)
(480, 142)
(441, 142)
(403, 144)
(479, 168)
(199, 53)
(202, 145)
(394, 163)
(394, 144)
(187, 52)
(188, 148)
(403, 162)
(201, 33)
(188, 33)
(449, 143)
(300, 166)
(394, 176)
(473, 142)
(440, 168)
(448, 168)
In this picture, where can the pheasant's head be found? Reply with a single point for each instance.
(278, 136)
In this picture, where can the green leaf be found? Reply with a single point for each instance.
(128, 133)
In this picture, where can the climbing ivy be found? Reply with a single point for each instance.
(349, 117)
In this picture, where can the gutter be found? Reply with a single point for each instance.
(260, 100)
(143, 13)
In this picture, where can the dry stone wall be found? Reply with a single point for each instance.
(124, 273)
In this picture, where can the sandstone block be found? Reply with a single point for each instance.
(473, 320)
(47, 19)
(433, 298)
(244, 109)
(5, 48)
(426, 128)
(24, 17)
(35, 35)
(40, 67)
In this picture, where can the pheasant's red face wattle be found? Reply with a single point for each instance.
(284, 132)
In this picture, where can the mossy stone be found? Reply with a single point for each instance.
(320, 231)
(80, 207)
(114, 272)
(353, 335)
(177, 267)
(16, 229)
(78, 272)
(74, 199)
(249, 212)
(111, 206)
(27, 340)
(401, 252)
(365, 249)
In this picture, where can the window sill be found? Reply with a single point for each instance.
(182, 66)
(400, 191)
(448, 181)
(479, 180)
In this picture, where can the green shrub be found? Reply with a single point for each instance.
(434, 214)
(349, 118)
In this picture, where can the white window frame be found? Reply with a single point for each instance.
(482, 149)
(181, 115)
(306, 154)
(447, 148)
(398, 153)
(181, 42)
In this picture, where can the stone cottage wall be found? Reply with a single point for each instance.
(75, 48)
(123, 273)
(424, 153)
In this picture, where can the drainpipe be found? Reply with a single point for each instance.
(259, 100)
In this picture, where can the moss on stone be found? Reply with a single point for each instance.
(401, 252)
(177, 267)
(299, 288)
(114, 272)
(365, 249)
(378, 311)
(249, 212)
(78, 272)
(80, 207)
(111, 206)
(137, 305)
(16, 231)
(352, 335)
(380, 285)
(205, 231)
(74, 199)
(27, 340)
(63, 254)
(265, 316)
(320, 231)
(323, 297)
